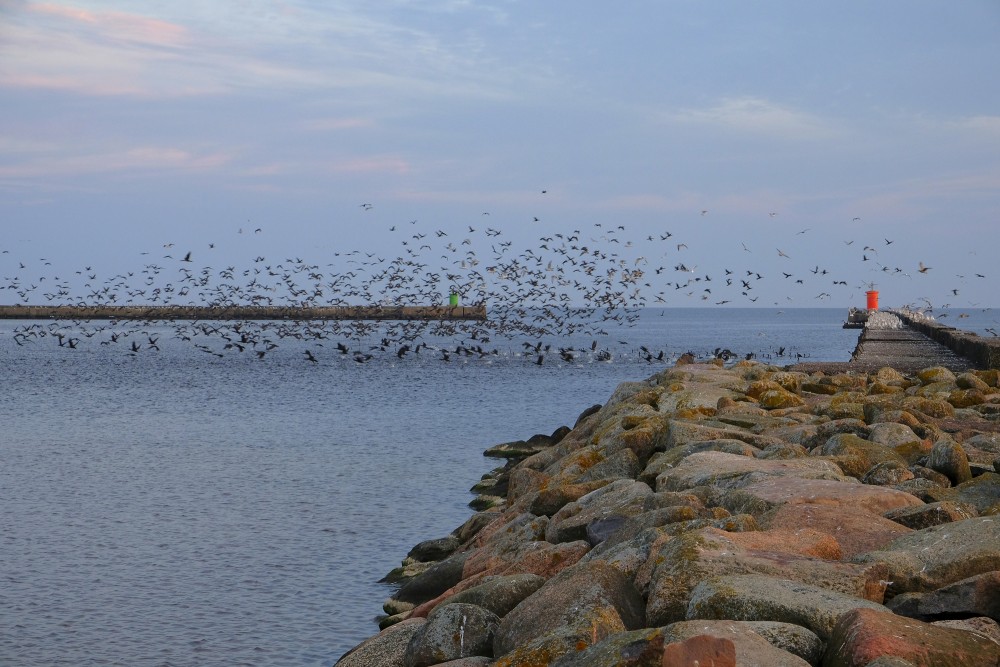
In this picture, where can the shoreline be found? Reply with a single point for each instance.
(753, 512)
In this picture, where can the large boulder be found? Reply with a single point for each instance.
(756, 643)
(974, 596)
(499, 594)
(433, 581)
(981, 492)
(622, 498)
(584, 602)
(734, 471)
(931, 514)
(754, 597)
(928, 559)
(948, 458)
(856, 456)
(683, 562)
(386, 649)
(634, 648)
(855, 529)
(763, 496)
(452, 631)
(865, 635)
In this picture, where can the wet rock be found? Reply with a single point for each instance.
(434, 550)
(934, 557)
(386, 649)
(452, 631)
(761, 598)
(865, 635)
(584, 601)
(434, 581)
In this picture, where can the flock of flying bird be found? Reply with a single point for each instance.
(581, 282)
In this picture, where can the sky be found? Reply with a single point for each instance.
(810, 149)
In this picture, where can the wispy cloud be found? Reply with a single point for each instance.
(334, 124)
(983, 126)
(140, 158)
(389, 163)
(756, 116)
(218, 49)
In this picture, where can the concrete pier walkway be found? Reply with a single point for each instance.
(909, 342)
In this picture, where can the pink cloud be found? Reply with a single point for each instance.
(119, 25)
(146, 158)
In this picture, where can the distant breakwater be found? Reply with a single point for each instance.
(180, 312)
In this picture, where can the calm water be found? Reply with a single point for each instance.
(175, 508)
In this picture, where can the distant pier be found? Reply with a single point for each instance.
(919, 343)
(168, 312)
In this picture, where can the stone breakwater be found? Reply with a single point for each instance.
(748, 515)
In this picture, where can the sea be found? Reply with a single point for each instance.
(176, 507)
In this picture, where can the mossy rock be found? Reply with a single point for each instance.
(965, 398)
(930, 407)
(877, 388)
(935, 374)
(774, 399)
(888, 376)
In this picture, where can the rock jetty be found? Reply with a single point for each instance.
(713, 515)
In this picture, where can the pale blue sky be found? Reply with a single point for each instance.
(811, 128)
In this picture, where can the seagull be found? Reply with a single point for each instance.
(922, 268)
(782, 254)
